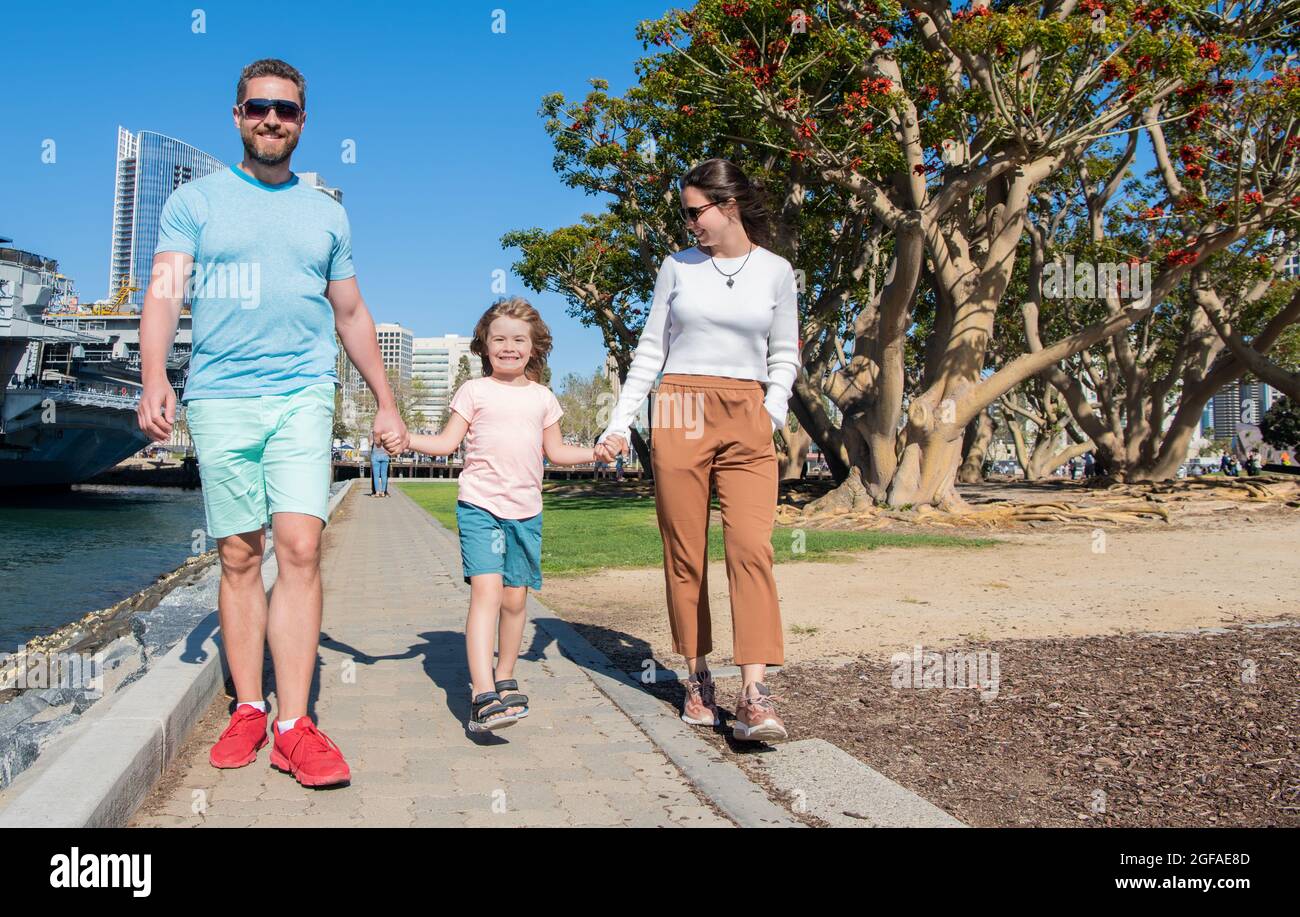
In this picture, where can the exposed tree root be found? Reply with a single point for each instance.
(849, 506)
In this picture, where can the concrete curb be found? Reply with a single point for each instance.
(100, 773)
(722, 782)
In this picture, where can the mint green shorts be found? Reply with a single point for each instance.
(263, 454)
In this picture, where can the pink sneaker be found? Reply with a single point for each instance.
(700, 708)
(756, 719)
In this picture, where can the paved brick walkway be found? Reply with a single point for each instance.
(392, 691)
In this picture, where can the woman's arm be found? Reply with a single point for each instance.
(783, 349)
(558, 453)
(651, 352)
(445, 442)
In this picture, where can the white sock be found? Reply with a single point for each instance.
(255, 704)
(286, 725)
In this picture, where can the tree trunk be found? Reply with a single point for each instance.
(797, 443)
(852, 493)
(642, 454)
(979, 436)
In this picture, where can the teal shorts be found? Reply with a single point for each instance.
(263, 454)
(490, 544)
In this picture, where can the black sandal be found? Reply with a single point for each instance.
(513, 699)
(483, 707)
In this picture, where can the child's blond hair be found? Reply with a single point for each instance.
(522, 309)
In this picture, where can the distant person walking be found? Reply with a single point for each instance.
(723, 326)
(378, 470)
(260, 400)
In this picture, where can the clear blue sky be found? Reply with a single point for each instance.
(450, 151)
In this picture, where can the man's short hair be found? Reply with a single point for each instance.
(271, 66)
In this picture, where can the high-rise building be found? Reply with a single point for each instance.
(434, 363)
(1240, 402)
(150, 166)
(395, 346)
(314, 179)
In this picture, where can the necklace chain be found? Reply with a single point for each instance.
(730, 281)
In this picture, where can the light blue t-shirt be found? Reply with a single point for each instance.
(262, 257)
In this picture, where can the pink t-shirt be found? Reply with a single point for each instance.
(503, 448)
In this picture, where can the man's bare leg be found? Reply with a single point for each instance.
(293, 625)
(242, 610)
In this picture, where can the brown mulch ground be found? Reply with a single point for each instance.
(1158, 730)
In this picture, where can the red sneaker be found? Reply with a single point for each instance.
(309, 755)
(242, 739)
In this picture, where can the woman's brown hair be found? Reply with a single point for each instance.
(522, 309)
(719, 179)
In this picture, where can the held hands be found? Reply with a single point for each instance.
(612, 446)
(390, 432)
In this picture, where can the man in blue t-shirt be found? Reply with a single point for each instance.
(266, 262)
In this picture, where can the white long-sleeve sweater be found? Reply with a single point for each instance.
(698, 325)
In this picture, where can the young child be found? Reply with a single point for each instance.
(508, 420)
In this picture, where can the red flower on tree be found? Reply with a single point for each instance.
(1208, 51)
(977, 12)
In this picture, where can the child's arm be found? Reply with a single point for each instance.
(444, 443)
(560, 454)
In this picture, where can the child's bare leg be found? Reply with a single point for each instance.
(485, 592)
(511, 632)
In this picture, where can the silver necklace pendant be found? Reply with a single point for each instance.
(730, 282)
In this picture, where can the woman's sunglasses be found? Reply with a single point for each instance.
(691, 214)
(257, 109)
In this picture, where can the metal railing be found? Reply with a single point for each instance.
(84, 393)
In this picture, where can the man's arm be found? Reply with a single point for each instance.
(356, 330)
(159, 317)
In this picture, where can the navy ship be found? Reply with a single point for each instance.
(71, 375)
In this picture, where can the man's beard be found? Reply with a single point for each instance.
(250, 150)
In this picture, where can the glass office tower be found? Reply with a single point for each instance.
(150, 166)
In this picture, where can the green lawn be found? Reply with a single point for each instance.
(581, 534)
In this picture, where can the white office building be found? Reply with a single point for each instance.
(434, 364)
(396, 345)
(314, 180)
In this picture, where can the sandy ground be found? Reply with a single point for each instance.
(1235, 566)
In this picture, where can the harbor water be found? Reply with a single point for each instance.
(63, 555)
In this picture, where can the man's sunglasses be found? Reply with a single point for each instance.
(691, 214)
(257, 109)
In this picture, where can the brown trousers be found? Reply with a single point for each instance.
(715, 430)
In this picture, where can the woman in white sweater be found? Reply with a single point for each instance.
(723, 329)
